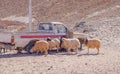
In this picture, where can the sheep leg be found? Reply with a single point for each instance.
(11, 48)
(68, 51)
(88, 51)
(46, 53)
(98, 51)
(38, 52)
(3, 50)
(80, 46)
(57, 50)
(0, 50)
(76, 51)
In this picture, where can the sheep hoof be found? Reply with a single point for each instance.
(45, 55)
(29, 52)
(76, 53)
(98, 53)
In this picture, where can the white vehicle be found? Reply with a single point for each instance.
(45, 30)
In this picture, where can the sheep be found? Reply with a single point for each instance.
(70, 43)
(53, 44)
(82, 41)
(93, 43)
(57, 42)
(30, 44)
(10, 46)
(27, 47)
(41, 46)
(6, 46)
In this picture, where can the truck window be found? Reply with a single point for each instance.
(61, 29)
(45, 27)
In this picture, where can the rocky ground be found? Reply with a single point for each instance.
(107, 62)
(102, 20)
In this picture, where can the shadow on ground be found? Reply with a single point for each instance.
(18, 55)
(26, 54)
(91, 54)
(41, 54)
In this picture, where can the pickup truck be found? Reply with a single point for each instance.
(45, 30)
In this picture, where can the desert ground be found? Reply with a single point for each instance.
(106, 62)
(102, 20)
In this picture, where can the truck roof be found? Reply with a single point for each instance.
(52, 22)
(56, 23)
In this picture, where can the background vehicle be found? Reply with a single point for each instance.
(45, 30)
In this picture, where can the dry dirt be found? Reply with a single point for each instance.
(66, 11)
(102, 20)
(107, 62)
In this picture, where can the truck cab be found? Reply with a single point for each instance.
(53, 28)
(44, 30)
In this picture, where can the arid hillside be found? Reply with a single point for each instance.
(96, 18)
(67, 11)
(101, 17)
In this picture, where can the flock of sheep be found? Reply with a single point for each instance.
(68, 44)
(43, 46)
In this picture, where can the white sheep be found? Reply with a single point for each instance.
(54, 44)
(70, 43)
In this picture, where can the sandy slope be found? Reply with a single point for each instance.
(102, 15)
(107, 62)
(66, 11)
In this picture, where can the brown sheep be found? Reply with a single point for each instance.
(27, 47)
(71, 43)
(93, 43)
(41, 46)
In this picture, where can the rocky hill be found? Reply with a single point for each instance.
(67, 11)
(101, 17)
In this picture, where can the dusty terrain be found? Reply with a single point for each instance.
(102, 20)
(107, 62)
(67, 11)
